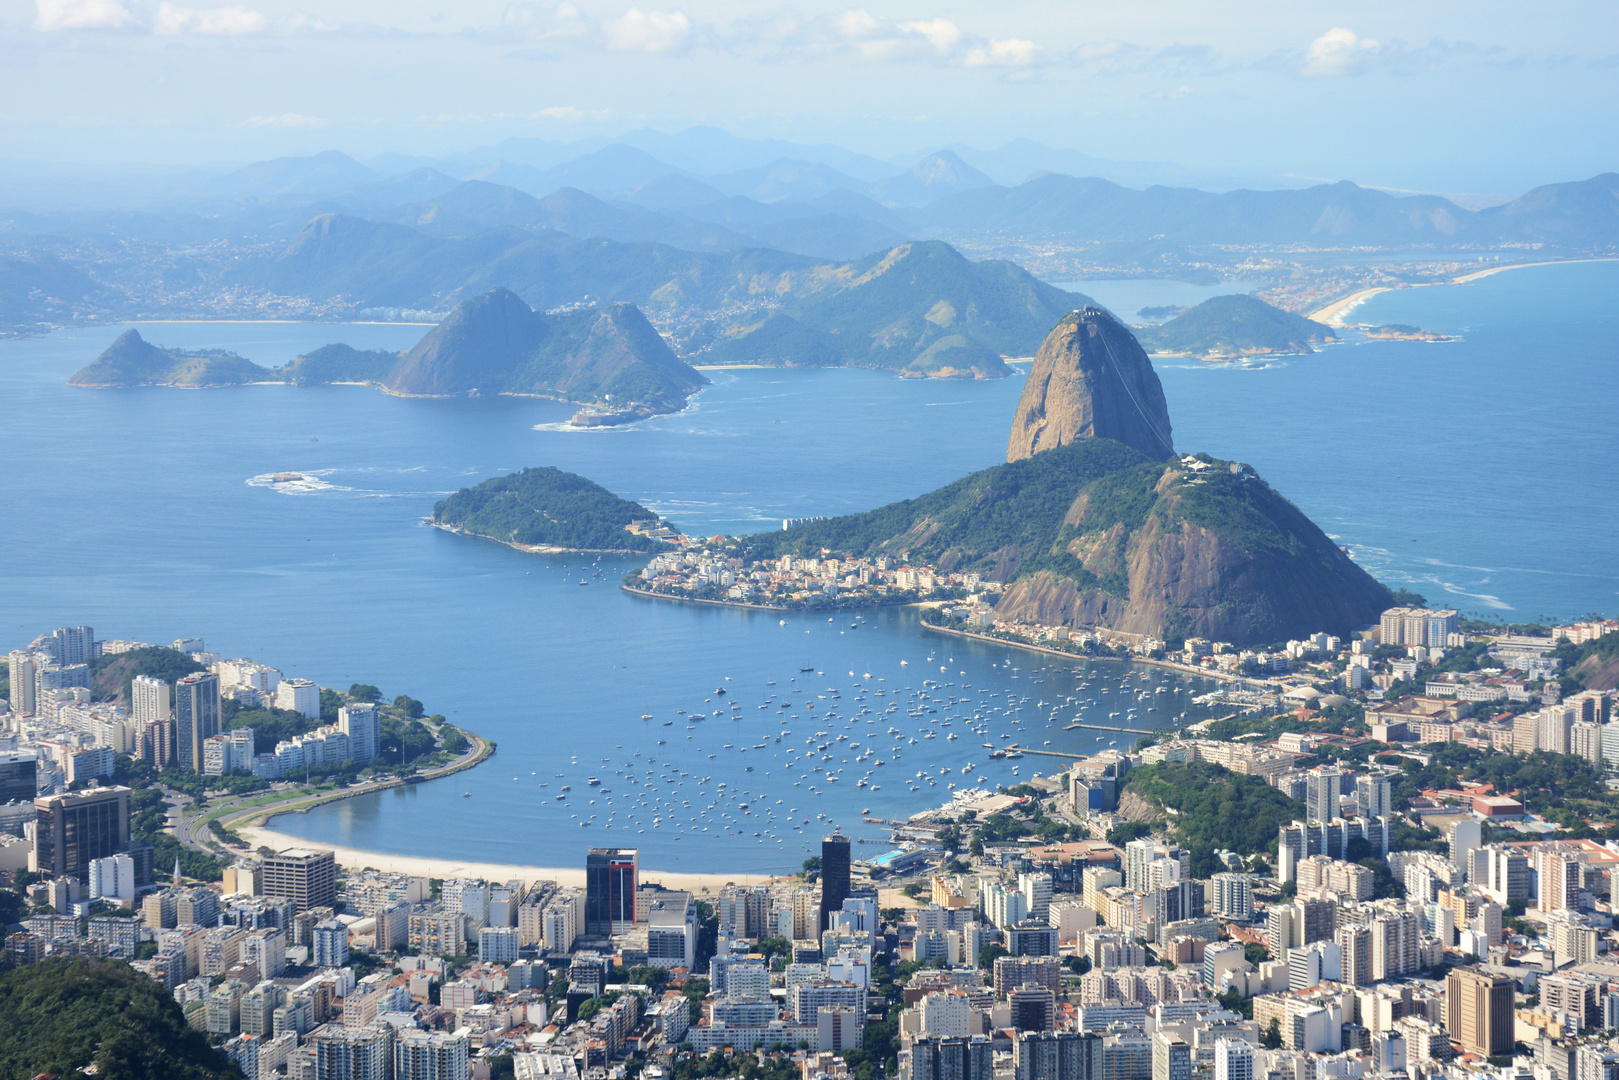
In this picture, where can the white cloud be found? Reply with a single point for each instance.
(662, 32)
(942, 34)
(209, 22)
(285, 120)
(1339, 52)
(1013, 52)
(83, 15)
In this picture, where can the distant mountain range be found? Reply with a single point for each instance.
(922, 308)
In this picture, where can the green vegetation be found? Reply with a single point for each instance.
(921, 308)
(1215, 808)
(550, 508)
(1562, 787)
(270, 726)
(1235, 326)
(111, 676)
(61, 1016)
(1016, 508)
(132, 361)
(340, 364)
(147, 817)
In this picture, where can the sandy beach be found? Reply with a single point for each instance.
(355, 859)
(1333, 314)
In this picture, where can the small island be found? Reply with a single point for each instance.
(1233, 328)
(1401, 332)
(547, 511)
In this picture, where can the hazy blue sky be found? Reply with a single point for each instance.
(1485, 96)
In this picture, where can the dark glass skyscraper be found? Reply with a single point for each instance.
(610, 879)
(834, 875)
(196, 718)
(72, 829)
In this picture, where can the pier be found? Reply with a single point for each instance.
(1104, 727)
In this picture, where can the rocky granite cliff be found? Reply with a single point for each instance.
(496, 343)
(1094, 523)
(1091, 380)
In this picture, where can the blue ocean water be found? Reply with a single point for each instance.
(1476, 470)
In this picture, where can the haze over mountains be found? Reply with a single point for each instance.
(710, 234)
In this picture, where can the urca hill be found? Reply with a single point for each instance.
(492, 344)
(1093, 520)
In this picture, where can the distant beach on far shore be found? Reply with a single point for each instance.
(1333, 314)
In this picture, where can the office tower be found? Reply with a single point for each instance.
(1233, 1060)
(300, 696)
(1355, 944)
(1324, 787)
(73, 645)
(331, 944)
(196, 718)
(1055, 1055)
(1558, 869)
(1036, 889)
(1479, 1011)
(307, 878)
(949, 1059)
(1171, 1057)
(149, 700)
(611, 875)
(1234, 896)
(1033, 1008)
(1373, 796)
(112, 878)
(834, 876)
(431, 1055)
(1466, 836)
(345, 1053)
(74, 829)
(359, 722)
(24, 665)
(19, 772)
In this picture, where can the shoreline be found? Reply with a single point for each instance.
(1030, 646)
(1333, 314)
(425, 866)
(534, 549)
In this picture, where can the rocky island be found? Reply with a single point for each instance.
(607, 356)
(1232, 328)
(1401, 332)
(1094, 522)
(548, 510)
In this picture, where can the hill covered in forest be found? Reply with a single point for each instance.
(1228, 327)
(548, 508)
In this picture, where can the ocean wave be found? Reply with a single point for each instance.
(297, 483)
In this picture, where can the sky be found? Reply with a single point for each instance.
(1484, 97)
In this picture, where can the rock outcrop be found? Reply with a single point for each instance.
(1091, 380)
(496, 343)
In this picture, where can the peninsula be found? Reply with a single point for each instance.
(1093, 523)
(547, 510)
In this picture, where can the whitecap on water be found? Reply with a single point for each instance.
(297, 483)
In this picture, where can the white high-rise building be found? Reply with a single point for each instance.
(112, 878)
(1036, 890)
(300, 696)
(149, 700)
(73, 645)
(431, 1055)
(24, 666)
(1373, 796)
(1233, 1060)
(359, 722)
(1234, 896)
(946, 1014)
